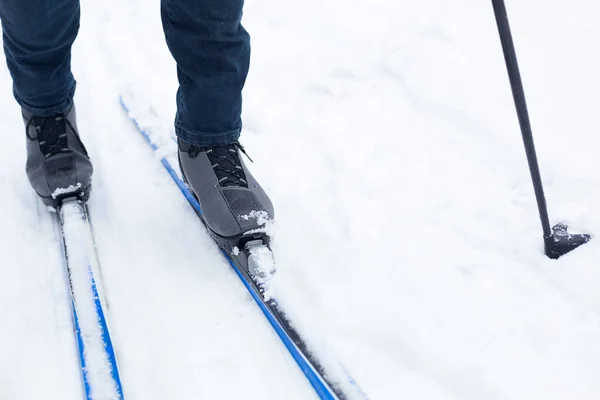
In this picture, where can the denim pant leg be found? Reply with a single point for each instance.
(38, 35)
(212, 51)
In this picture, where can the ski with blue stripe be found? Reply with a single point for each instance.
(97, 359)
(313, 369)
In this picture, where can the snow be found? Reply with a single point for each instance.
(70, 189)
(265, 223)
(261, 262)
(406, 236)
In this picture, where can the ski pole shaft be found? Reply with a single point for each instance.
(516, 85)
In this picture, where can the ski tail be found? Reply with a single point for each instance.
(321, 378)
(97, 357)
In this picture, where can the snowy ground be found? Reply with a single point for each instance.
(406, 237)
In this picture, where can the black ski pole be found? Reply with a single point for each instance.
(557, 241)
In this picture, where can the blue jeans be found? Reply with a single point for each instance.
(206, 38)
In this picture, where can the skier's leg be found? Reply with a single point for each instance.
(38, 35)
(212, 51)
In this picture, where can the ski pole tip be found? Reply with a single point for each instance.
(561, 242)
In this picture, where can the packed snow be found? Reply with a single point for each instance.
(406, 236)
(70, 189)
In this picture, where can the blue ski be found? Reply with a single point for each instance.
(319, 376)
(99, 370)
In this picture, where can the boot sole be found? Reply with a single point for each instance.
(82, 196)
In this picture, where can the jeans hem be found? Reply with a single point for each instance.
(61, 108)
(207, 139)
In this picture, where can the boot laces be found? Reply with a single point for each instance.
(226, 163)
(51, 134)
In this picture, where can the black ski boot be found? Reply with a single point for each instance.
(58, 165)
(234, 206)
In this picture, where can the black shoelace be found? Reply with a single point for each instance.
(51, 134)
(226, 163)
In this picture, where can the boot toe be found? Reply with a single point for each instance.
(62, 177)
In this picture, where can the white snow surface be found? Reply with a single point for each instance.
(406, 234)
